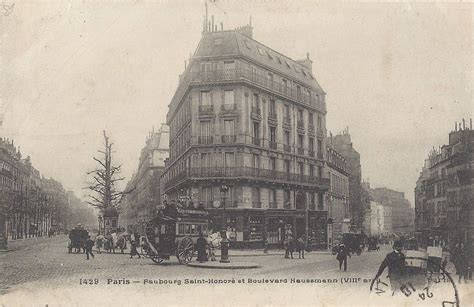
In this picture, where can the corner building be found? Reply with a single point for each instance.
(253, 119)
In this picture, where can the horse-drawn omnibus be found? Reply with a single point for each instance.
(174, 232)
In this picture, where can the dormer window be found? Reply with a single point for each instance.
(269, 55)
(259, 50)
(304, 74)
(288, 65)
(296, 68)
(247, 44)
(279, 61)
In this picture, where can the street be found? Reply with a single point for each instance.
(32, 267)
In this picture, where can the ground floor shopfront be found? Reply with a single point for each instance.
(252, 228)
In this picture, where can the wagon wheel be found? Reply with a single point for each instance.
(157, 259)
(185, 250)
(146, 251)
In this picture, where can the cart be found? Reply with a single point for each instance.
(353, 242)
(372, 244)
(174, 232)
(77, 239)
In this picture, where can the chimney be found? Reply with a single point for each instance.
(463, 124)
(470, 123)
(212, 27)
(306, 62)
(245, 30)
(222, 26)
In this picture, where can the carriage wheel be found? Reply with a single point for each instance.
(185, 250)
(157, 259)
(145, 251)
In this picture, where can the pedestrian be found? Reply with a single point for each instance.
(461, 263)
(342, 253)
(201, 245)
(133, 249)
(395, 261)
(288, 239)
(88, 246)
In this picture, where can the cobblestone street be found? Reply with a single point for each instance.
(37, 264)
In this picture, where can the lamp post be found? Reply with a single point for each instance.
(100, 223)
(224, 243)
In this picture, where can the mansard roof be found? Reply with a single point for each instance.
(233, 43)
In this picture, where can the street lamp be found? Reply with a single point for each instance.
(100, 222)
(224, 243)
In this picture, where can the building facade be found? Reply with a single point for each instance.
(401, 214)
(250, 118)
(445, 192)
(337, 196)
(143, 191)
(342, 143)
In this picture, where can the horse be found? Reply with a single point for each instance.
(99, 242)
(213, 242)
(121, 243)
(298, 246)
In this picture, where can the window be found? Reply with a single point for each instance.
(229, 159)
(286, 196)
(311, 118)
(229, 127)
(288, 64)
(312, 200)
(300, 141)
(298, 92)
(206, 98)
(273, 134)
(269, 55)
(255, 101)
(272, 198)
(311, 170)
(260, 51)
(206, 128)
(273, 163)
(256, 130)
(300, 115)
(279, 61)
(256, 197)
(287, 137)
(256, 161)
(320, 146)
(272, 107)
(301, 168)
(287, 111)
(247, 44)
(285, 86)
(270, 79)
(229, 97)
(320, 122)
(287, 166)
(311, 144)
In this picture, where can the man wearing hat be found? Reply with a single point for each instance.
(396, 267)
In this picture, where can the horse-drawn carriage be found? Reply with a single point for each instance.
(78, 237)
(353, 242)
(174, 232)
(372, 244)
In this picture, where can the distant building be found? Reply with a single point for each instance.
(338, 195)
(378, 218)
(253, 119)
(143, 190)
(342, 143)
(402, 215)
(444, 192)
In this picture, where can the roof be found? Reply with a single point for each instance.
(234, 43)
(110, 211)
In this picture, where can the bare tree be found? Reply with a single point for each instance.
(104, 177)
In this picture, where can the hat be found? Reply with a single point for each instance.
(397, 244)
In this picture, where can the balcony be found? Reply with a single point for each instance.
(300, 151)
(256, 141)
(287, 148)
(311, 127)
(229, 109)
(256, 204)
(204, 140)
(286, 120)
(300, 124)
(206, 110)
(256, 113)
(227, 139)
(273, 145)
(272, 116)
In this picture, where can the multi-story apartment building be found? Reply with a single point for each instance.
(337, 196)
(143, 193)
(253, 119)
(445, 191)
(402, 215)
(343, 144)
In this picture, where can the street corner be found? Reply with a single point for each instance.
(224, 265)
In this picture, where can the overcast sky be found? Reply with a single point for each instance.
(399, 75)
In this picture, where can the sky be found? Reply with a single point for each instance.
(397, 74)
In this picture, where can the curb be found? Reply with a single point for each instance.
(229, 266)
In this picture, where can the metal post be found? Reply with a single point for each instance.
(225, 241)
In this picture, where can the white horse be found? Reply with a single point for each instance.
(213, 242)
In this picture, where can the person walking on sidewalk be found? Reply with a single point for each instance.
(342, 254)
(133, 249)
(88, 246)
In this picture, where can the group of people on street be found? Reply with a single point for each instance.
(110, 241)
(462, 262)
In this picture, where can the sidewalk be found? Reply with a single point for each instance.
(259, 252)
(18, 244)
